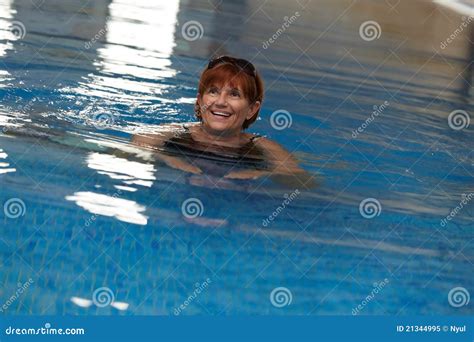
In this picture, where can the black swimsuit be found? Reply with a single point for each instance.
(213, 159)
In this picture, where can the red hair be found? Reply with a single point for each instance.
(227, 73)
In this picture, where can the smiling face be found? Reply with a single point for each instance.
(228, 100)
(224, 109)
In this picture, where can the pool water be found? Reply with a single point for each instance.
(93, 224)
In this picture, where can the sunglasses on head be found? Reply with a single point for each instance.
(243, 64)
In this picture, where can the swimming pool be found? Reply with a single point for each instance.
(92, 224)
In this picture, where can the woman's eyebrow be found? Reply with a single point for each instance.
(234, 88)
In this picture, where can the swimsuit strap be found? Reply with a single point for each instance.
(257, 136)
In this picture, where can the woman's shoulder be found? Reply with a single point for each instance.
(252, 137)
(263, 141)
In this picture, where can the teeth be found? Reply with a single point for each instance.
(221, 114)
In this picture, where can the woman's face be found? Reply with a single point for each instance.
(224, 109)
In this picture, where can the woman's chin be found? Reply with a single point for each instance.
(218, 127)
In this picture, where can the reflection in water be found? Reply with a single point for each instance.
(5, 36)
(4, 166)
(136, 24)
(132, 62)
(121, 209)
(130, 32)
(86, 303)
(130, 172)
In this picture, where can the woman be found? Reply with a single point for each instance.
(230, 95)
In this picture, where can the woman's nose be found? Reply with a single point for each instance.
(221, 99)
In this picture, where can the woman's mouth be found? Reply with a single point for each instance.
(221, 114)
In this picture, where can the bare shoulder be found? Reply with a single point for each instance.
(271, 145)
(283, 161)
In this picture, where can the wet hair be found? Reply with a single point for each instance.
(252, 86)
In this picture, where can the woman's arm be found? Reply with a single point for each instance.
(281, 160)
(284, 168)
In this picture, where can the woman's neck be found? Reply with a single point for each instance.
(225, 138)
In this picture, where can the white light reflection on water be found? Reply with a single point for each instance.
(138, 45)
(143, 23)
(4, 166)
(131, 63)
(121, 209)
(131, 172)
(128, 173)
(6, 35)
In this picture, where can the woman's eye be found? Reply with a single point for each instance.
(235, 93)
(213, 91)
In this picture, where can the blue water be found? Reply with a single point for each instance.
(97, 211)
